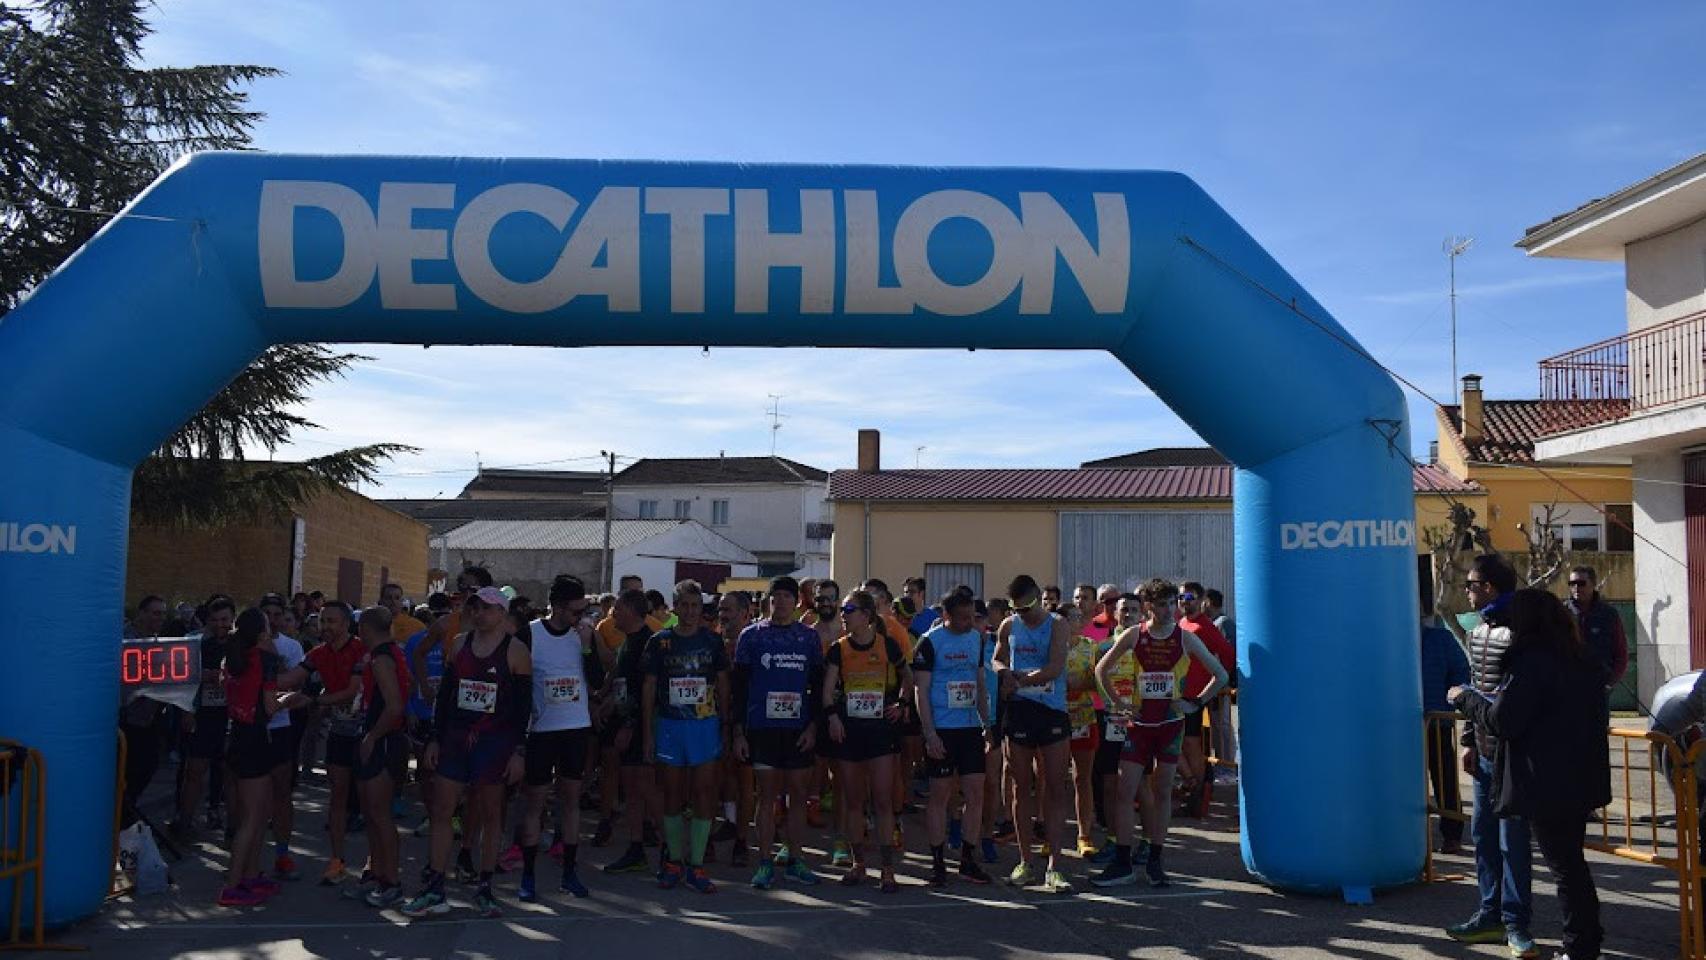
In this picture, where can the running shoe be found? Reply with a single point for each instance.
(699, 880)
(632, 861)
(1115, 874)
(939, 876)
(527, 891)
(1055, 882)
(429, 903)
(841, 855)
(600, 837)
(572, 885)
(671, 875)
(1140, 854)
(1004, 830)
(1104, 856)
(284, 868)
(383, 897)
(335, 873)
(889, 885)
(1086, 847)
(955, 834)
(797, 871)
(765, 877)
(1477, 929)
(263, 885)
(465, 872)
(782, 855)
(1157, 876)
(1023, 875)
(1520, 944)
(986, 847)
(486, 905)
(357, 890)
(970, 872)
(510, 859)
(240, 896)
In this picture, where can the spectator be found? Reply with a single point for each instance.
(1443, 666)
(1551, 761)
(1600, 626)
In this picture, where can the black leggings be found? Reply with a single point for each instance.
(1560, 843)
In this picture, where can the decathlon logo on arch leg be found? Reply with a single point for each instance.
(1027, 245)
(1333, 534)
(37, 538)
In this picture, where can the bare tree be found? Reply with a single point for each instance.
(1548, 553)
(1453, 545)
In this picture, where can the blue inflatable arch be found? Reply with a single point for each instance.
(228, 253)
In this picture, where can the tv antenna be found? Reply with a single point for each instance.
(1454, 247)
(918, 456)
(776, 417)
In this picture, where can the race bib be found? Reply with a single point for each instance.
(352, 709)
(619, 689)
(563, 690)
(1156, 685)
(1124, 687)
(687, 691)
(962, 694)
(213, 694)
(478, 696)
(783, 705)
(1115, 731)
(1081, 733)
(865, 704)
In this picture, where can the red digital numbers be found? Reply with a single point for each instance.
(159, 663)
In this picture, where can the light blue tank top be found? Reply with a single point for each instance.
(953, 677)
(1030, 652)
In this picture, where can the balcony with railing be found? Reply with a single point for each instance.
(1647, 370)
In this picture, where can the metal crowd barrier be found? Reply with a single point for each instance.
(1643, 835)
(23, 833)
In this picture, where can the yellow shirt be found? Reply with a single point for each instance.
(1081, 682)
(404, 626)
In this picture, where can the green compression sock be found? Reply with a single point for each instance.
(701, 834)
(675, 833)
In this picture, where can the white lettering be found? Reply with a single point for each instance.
(687, 208)
(611, 224)
(38, 538)
(865, 292)
(1332, 534)
(280, 286)
(471, 247)
(1103, 273)
(401, 244)
(757, 250)
(912, 252)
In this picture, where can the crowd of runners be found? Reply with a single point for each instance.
(688, 727)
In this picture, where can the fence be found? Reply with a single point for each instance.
(23, 826)
(1641, 834)
(1646, 369)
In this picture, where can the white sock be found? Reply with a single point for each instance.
(729, 810)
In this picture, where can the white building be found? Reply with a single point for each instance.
(1657, 228)
(527, 554)
(772, 506)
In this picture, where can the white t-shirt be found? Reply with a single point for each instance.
(560, 696)
(290, 651)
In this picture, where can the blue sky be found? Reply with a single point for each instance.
(1348, 138)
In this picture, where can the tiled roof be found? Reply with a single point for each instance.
(538, 482)
(687, 471)
(1510, 427)
(554, 534)
(1095, 484)
(441, 516)
(1162, 457)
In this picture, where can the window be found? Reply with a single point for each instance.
(719, 513)
(648, 509)
(1619, 527)
(683, 509)
(939, 578)
(1584, 537)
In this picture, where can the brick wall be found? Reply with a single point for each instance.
(249, 561)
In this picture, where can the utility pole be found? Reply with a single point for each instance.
(605, 560)
(1454, 247)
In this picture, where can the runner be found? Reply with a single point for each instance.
(1194, 766)
(1030, 655)
(1081, 714)
(948, 669)
(997, 794)
(335, 664)
(684, 696)
(1220, 711)
(1051, 598)
(285, 727)
(622, 736)
(827, 799)
(252, 695)
(911, 734)
(611, 637)
(778, 666)
(865, 679)
(484, 700)
(423, 692)
(403, 623)
(1163, 651)
(1120, 612)
(204, 730)
(739, 793)
(558, 740)
(382, 755)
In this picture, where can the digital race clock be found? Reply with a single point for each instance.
(161, 668)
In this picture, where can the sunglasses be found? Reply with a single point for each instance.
(1473, 584)
(852, 608)
(1581, 583)
(1187, 597)
(1021, 607)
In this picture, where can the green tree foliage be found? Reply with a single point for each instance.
(83, 129)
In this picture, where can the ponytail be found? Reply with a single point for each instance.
(251, 626)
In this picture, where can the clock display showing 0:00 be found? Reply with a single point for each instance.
(151, 662)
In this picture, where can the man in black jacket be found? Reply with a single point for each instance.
(1503, 861)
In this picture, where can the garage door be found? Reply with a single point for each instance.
(1130, 547)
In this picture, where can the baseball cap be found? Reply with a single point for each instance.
(493, 597)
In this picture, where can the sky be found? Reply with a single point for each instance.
(1348, 138)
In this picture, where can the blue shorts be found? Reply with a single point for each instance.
(688, 743)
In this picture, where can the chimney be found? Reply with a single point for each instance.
(1433, 451)
(1474, 427)
(870, 451)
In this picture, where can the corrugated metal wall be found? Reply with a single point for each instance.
(1128, 548)
(939, 578)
